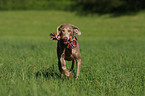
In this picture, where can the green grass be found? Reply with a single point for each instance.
(112, 50)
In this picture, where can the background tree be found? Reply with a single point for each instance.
(105, 6)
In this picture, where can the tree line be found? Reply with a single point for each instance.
(35, 4)
(85, 6)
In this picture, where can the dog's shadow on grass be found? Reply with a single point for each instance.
(48, 73)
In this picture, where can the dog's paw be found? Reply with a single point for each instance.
(77, 78)
(70, 75)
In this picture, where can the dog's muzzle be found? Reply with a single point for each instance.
(66, 40)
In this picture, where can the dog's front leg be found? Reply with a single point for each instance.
(62, 60)
(60, 67)
(78, 67)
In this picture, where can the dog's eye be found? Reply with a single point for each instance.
(69, 31)
(63, 31)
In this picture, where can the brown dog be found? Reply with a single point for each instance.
(67, 33)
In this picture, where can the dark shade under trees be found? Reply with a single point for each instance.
(109, 6)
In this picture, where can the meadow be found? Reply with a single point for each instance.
(112, 51)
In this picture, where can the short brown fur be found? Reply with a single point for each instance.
(63, 53)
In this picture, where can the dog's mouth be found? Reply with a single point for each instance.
(65, 41)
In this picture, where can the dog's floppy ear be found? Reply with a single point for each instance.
(76, 30)
(59, 29)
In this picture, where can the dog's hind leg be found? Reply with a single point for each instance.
(72, 66)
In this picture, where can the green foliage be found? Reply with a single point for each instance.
(81, 6)
(35, 4)
(112, 50)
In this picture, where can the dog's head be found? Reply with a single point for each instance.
(66, 31)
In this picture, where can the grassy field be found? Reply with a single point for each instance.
(112, 50)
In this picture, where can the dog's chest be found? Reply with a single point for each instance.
(68, 55)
